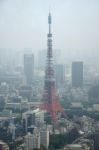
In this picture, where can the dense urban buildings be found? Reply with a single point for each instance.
(40, 109)
(30, 118)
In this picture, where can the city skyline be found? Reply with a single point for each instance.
(49, 74)
(75, 26)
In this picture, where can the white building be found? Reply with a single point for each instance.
(73, 147)
(39, 137)
(44, 136)
(77, 147)
(29, 141)
(23, 105)
(76, 105)
(96, 107)
(36, 138)
(32, 140)
(3, 146)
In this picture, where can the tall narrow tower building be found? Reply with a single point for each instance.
(29, 68)
(77, 74)
(50, 97)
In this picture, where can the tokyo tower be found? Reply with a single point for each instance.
(50, 97)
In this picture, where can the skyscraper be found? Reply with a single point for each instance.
(29, 67)
(77, 74)
(60, 74)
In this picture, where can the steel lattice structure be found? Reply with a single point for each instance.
(50, 97)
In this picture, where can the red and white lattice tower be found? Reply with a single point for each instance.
(50, 97)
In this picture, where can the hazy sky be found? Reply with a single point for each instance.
(75, 26)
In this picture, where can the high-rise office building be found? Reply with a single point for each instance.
(32, 117)
(77, 74)
(29, 67)
(60, 74)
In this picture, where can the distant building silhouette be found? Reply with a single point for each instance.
(60, 74)
(29, 67)
(94, 94)
(77, 74)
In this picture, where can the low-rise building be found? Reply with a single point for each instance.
(3, 146)
(77, 147)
